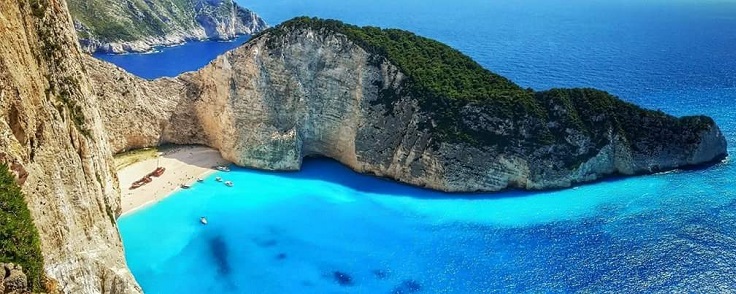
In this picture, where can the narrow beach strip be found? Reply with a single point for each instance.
(184, 164)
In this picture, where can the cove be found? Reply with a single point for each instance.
(326, 229)
(172, 61)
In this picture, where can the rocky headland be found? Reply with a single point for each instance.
(138, 26)
(312, 87)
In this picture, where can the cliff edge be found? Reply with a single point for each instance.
(396, 105)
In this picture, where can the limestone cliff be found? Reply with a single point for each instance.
(139, 26)
(320, 90)
(52, 137)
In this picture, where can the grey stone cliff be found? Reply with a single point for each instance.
(316, 94)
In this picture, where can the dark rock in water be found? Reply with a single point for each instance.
(281, 256)
(342, 278)
(307, 284)
(218, 248)
(267, 243)
(407, 286)
(380, 274)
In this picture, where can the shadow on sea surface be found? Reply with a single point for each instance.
(330, 170)
(219, 251)
(295, 232)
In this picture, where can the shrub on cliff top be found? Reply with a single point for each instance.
(436, 69)
(468, 103)
(19, 240)
(441, 78)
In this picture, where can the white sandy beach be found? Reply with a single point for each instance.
(183, 164)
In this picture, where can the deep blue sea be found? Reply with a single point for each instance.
(172, 61)
(326, 229)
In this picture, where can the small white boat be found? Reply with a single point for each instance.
(222, 168)
(203, 220)
(185, 186)
(200, 180)
(219, 179)
(229, 183)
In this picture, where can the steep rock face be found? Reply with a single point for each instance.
(52, 137)
(308, 92)
(137, 26)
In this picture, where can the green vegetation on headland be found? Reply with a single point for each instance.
(436, 68)
(599, 115)
(133, 20)
(442, 78)
(19, 240)
(468, 103)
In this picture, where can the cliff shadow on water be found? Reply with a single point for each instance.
(330, 170)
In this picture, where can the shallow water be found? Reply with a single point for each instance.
(291, 232)
(328, 230)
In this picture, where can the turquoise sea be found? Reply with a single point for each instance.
(326, 229)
